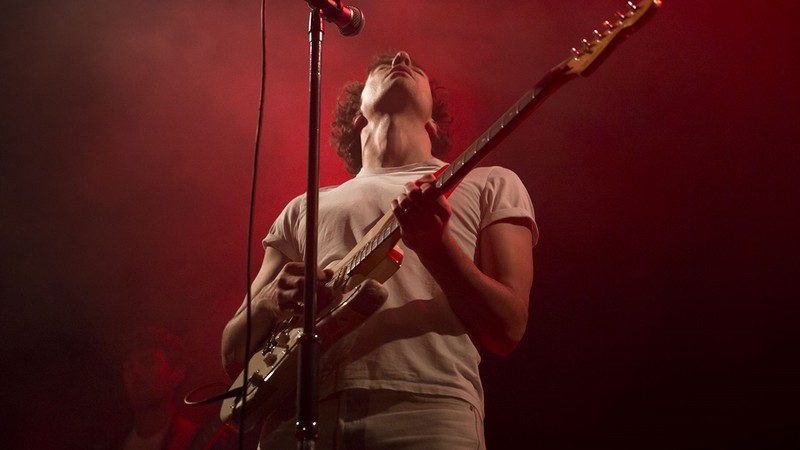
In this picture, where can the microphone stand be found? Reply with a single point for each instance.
(307, 430)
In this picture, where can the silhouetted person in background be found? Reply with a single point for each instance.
(152, 371)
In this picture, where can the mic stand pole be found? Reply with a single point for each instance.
(307, 430)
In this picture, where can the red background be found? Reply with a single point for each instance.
(663, 312)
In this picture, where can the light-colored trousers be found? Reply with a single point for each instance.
(358, 419)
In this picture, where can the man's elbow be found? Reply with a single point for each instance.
(513, 342)
(505, 343)
(511, 328)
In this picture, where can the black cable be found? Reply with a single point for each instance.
(248, 321)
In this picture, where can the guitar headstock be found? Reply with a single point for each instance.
(588, 56)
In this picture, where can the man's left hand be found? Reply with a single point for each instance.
(423, 215)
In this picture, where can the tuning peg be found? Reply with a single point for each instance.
(608, 25)
(598, 35)
(586, 46)
(632, 6)
(576, 53)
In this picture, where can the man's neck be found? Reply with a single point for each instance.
(393, 141)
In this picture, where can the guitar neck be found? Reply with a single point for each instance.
(501, 128)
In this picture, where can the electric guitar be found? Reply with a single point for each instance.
(272, 371)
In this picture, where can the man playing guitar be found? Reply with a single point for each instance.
(408, 376)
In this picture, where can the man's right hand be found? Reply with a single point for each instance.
(277, 295)
(285, 294)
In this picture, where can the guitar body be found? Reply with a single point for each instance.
(272, 372)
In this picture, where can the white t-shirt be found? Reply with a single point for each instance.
(414, 342)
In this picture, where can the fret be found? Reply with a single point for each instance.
(457, 164)
(387, 229)
(448, 173)
(391, 227)
(340, 277)
(496, 128)
(360, 256)
(382, 234)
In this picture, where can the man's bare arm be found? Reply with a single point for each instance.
(491, 300)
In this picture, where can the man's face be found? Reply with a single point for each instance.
(396, 86)
(149, 378)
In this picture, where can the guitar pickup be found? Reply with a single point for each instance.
(256, 379)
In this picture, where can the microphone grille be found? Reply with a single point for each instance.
(356, 23)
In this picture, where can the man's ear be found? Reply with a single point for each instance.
(432, 128)
(359, 121)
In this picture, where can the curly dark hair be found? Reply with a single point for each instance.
(347, 138)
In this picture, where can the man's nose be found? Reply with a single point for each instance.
(401, 58)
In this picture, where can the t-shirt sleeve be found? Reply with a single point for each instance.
(284, 231)
(505, 197)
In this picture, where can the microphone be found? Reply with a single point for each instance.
(348, 19)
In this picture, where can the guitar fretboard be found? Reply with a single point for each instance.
(390, 228)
